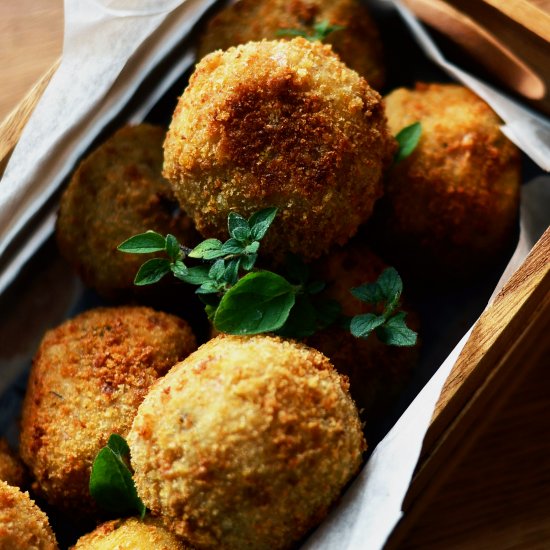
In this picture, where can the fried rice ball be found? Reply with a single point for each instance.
(453, 204)
(22, 524)
(117, 192)
(282, 124)
(130, 534)
(358, 43)
(88, 378)
(12, 470)
(377, 372)
(257, 438)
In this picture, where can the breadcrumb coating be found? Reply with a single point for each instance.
(358, 43)
(23, 526)
(130, 534)
(256, 440)
(12, 470)
(117, 192)
(282, 124)
(88, 378)
(454, 202)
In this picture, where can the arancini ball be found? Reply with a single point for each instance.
(23, 526)
(118, 191)
(257, 438)
(357, 42)
(279, 124)
(88, 378)
(453, 205)
(130, 534)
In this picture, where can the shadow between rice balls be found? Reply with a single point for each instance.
(358, 43)
(87, 380)
(452, 207)
(282, 124)
(257, 438)
(117, 192)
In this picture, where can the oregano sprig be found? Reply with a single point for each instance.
(407, 140)
(321, 30)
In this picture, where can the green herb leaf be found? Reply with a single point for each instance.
(217, 270)
(252, 248)
(407, 140)
(233, 246)
(362, 325)
(302, 320)
(209, 287)
(238, 226)
(152, 271)
(248, 261)
(396, 333)
(231, 274)
(111, 484)
(195, 275)
(323, 29)
(209, 249)
(386, 289)
(369, 293)
(144, 243)
(259, 302)
(260, 222)
(172, 247)
(179, 269)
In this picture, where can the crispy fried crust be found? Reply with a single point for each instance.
(454, 202)
(23, 526)
(117, 192)
(281, 124)
(358, 44)
(377, 372)
(130, 534)
(258, 437)
(88, 378)
(12, 470)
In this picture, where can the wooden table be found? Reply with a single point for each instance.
(498, 496)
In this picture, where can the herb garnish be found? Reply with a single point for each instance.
(111, 484)
(408, 139)
(240, 299)
(321, 30)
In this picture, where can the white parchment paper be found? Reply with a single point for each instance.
(110, 45)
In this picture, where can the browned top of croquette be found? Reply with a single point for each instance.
(117, 192)
(460, 188)
(282, 124)
(258, 437)
(88, 378)
(357, 44)
(130, 534)
(12, 470)
(22, 524)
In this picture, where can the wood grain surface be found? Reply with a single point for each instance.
(484, 481)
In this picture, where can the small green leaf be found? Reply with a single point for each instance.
(152, 271)
(362, 325)
(369, 293)
(209, 287)
(248, 261)
(207, 250)
(391, 286)
(111, 484)
(179, 269)
(232, 246)
(323, 29)
(195, 275)
(259, 302)
(407, 140)
(172, 247)
(231, 274)
(238, 226)
(144, 243)
(395, 332)
(217, 270)
(302, 320)
(261, 221)
(252, 248)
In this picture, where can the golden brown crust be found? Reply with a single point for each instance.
(88, 378)
(282, 124)
(454, 202)
(130, 534)
(358, 44)
(23, 526)
(117, 192)
(377, 372)
(12, 470)
(257, 439)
